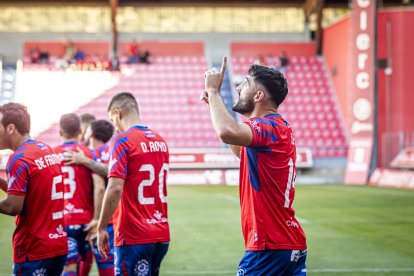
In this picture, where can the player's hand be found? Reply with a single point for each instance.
(214, 78)
(74, 157)
(204, 97)
(92, 229)
(103, 242)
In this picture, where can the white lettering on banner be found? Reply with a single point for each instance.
(187, 158)
(364, 20)
(363, 3)
(362, 61)
(362, 109)
(362, 80)
(358, 127)
(220, 158)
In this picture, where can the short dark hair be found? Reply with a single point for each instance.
(16, 114)
(125, 101)
(272, 79)
(70, 125)
(87, 118)
(102, 130)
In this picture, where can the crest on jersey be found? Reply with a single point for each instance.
(241, 272)
(142, 268)
(40, 272)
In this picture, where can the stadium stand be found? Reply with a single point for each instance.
(167, 91)
(311, 106)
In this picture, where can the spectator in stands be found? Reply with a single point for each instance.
(144, 56)
(284, 61)
(272, 61)
(79, 55)
(61, 63)
(133, 52)
(69, 51)
(259, 60)
(34, 55)
(44, 56)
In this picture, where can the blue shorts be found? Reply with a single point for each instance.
(273, 262)
(51, 266)
(141, 259)
(78, 247)
(100, 261)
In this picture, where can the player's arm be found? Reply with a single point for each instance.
(79, 158)
(3, 184)
(110, 203)
(12, 205)
(235, 150)
(98, 193)
(228, 129)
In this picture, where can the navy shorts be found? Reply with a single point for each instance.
(78, 247)
(100, 261)
(273, 262)
(51, 266)
(141, 259)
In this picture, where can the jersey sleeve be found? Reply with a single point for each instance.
(119, 155)
(263, 132)
(18, 177)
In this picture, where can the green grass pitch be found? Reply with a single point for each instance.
(350, 231)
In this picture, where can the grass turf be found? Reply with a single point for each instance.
(350, 231)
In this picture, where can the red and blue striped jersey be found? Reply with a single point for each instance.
(267, 175)
(140, 156)
(33, 171)
(78, 187)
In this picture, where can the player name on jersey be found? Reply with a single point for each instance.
(155, 146)
(48, 160)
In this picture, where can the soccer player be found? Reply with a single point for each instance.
(34, 196)
(86, 120)
(138, 170)
(83, 195)
(101, 132)
(275, 242)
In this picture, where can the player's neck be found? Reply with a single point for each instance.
(18, 141)
(262, 112)
(131, 121)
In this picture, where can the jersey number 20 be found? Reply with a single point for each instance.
(148, 182)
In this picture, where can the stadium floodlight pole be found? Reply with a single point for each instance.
(114, 8)
(320, 4)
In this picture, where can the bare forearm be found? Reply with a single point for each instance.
(7, 208)
(235, 150)
(220, 117)
(96, 167)
(110, 203)
(98, 193)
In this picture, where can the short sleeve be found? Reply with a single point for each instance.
(263, 131)
(18, 177)
(118, 159)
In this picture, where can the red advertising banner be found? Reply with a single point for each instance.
(362, 94)
(222, 159)
(404, 160)
(393, 178)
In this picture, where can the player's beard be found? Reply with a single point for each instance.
(244, 106)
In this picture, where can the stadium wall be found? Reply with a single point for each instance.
(337, 51)
(396, 98)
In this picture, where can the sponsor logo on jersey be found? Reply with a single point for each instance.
(142, 268)
(158, 218)
(60, 232)
(241, 272)
(71, 209)
(149, 134)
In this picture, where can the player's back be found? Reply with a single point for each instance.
(34, 171)
(267, 174)
(141, 157)
(78, 187)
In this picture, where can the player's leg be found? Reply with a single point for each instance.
(134, 259)
(279, 262)
(106, 266)
(247, 264)
(73, 258)
(300, 268)
(51, 266)
(56, 265)
(160, 251)
(85, 252)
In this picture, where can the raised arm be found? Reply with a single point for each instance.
(227, 128)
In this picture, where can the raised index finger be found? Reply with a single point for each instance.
(223, 66)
